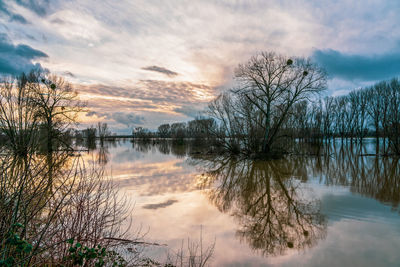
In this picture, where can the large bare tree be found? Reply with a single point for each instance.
(273, 83)
(269, 84)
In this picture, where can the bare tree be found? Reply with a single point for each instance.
(18, 118)
(102, 129)
(164, 130)
(394, 116)
(270, 84)
(328, 116)
(56, 102)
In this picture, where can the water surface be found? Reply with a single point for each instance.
(336, 207)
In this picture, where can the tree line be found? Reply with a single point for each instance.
(276, 102)
(201, 128)
(366, 112)
(373, 111)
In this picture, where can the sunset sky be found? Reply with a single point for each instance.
(143, 63)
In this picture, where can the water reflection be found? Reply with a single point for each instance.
(270, 200)
(332, 165)
(275, 212)
(365, 174)
(275, 207)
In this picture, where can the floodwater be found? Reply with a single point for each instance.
(338, 206)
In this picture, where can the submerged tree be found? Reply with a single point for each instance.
(394, 116)
(268, 86)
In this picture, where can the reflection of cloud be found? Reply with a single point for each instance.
(162, 70)
(164, 204)
(151, 174)
(15, 59)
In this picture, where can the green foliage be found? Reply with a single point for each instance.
(16, 249)
(98, 256)
(16, 252)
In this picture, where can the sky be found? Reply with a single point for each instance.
(144, 62)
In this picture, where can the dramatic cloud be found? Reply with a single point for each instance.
(147, 103)
(164, 60)
(15, 59)
(353, 67)
(151, 95)
(162, 70)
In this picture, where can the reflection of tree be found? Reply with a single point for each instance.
(143, 146)
(180, 150)
(164, 146)
(271, 207)
(372, 176)
(102, 154)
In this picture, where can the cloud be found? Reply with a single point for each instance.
(91, 113)
(3, 8)
(128, 44)
(19, 18)
(152, 93)
(164, 204)
(70, 74)
(15, 59)
(176, 91)
(57, 21)
(150, 102)
(128, 119)
(358, 67)
(13, 17)
(162, 70)
(190, 111)
(40, 7)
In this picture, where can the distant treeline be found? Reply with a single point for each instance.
(277, 102)
(199, 128)
(373, 111)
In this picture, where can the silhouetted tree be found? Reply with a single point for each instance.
(270, 85)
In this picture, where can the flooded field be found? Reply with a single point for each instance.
(337, 206)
